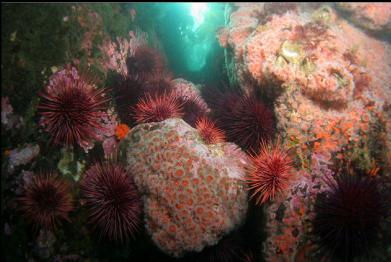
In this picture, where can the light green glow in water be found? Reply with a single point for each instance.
(198, 11)
(199, 40)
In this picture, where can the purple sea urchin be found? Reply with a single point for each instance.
(347, 216)
(112, 201)
(71, 109)
(47, 200)
(244, 120)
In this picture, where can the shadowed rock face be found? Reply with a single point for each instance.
(193, 193)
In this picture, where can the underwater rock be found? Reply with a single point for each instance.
(372, 16)
(193, 193)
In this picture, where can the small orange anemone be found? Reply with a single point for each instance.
(121, 131)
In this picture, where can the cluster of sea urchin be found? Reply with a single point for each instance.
(147, 82)
(270, 172)
(112, 200)
(47, 200)
(347, 216)
(71, 109)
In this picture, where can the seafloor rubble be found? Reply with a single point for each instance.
(114, 157)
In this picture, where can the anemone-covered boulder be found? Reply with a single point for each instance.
(193, 193)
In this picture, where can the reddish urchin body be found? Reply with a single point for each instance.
(156, 108)
(347, 216)
(209, 132)
(245, 121)
(144, 62)
(47, 200)
(270, 172)
(112, 201)
(71, 109)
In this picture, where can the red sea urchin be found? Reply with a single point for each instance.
(144, 62)
(47, 200)
(245, 121)
(112, 201)
(208, 131)
(269, 173)
(156, 108)
(347, 216)
(71, 109)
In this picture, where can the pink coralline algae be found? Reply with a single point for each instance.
(115, 53)
(373, 16)
(106, 132)
(193, 193)
(8, 118)
(22, 156)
